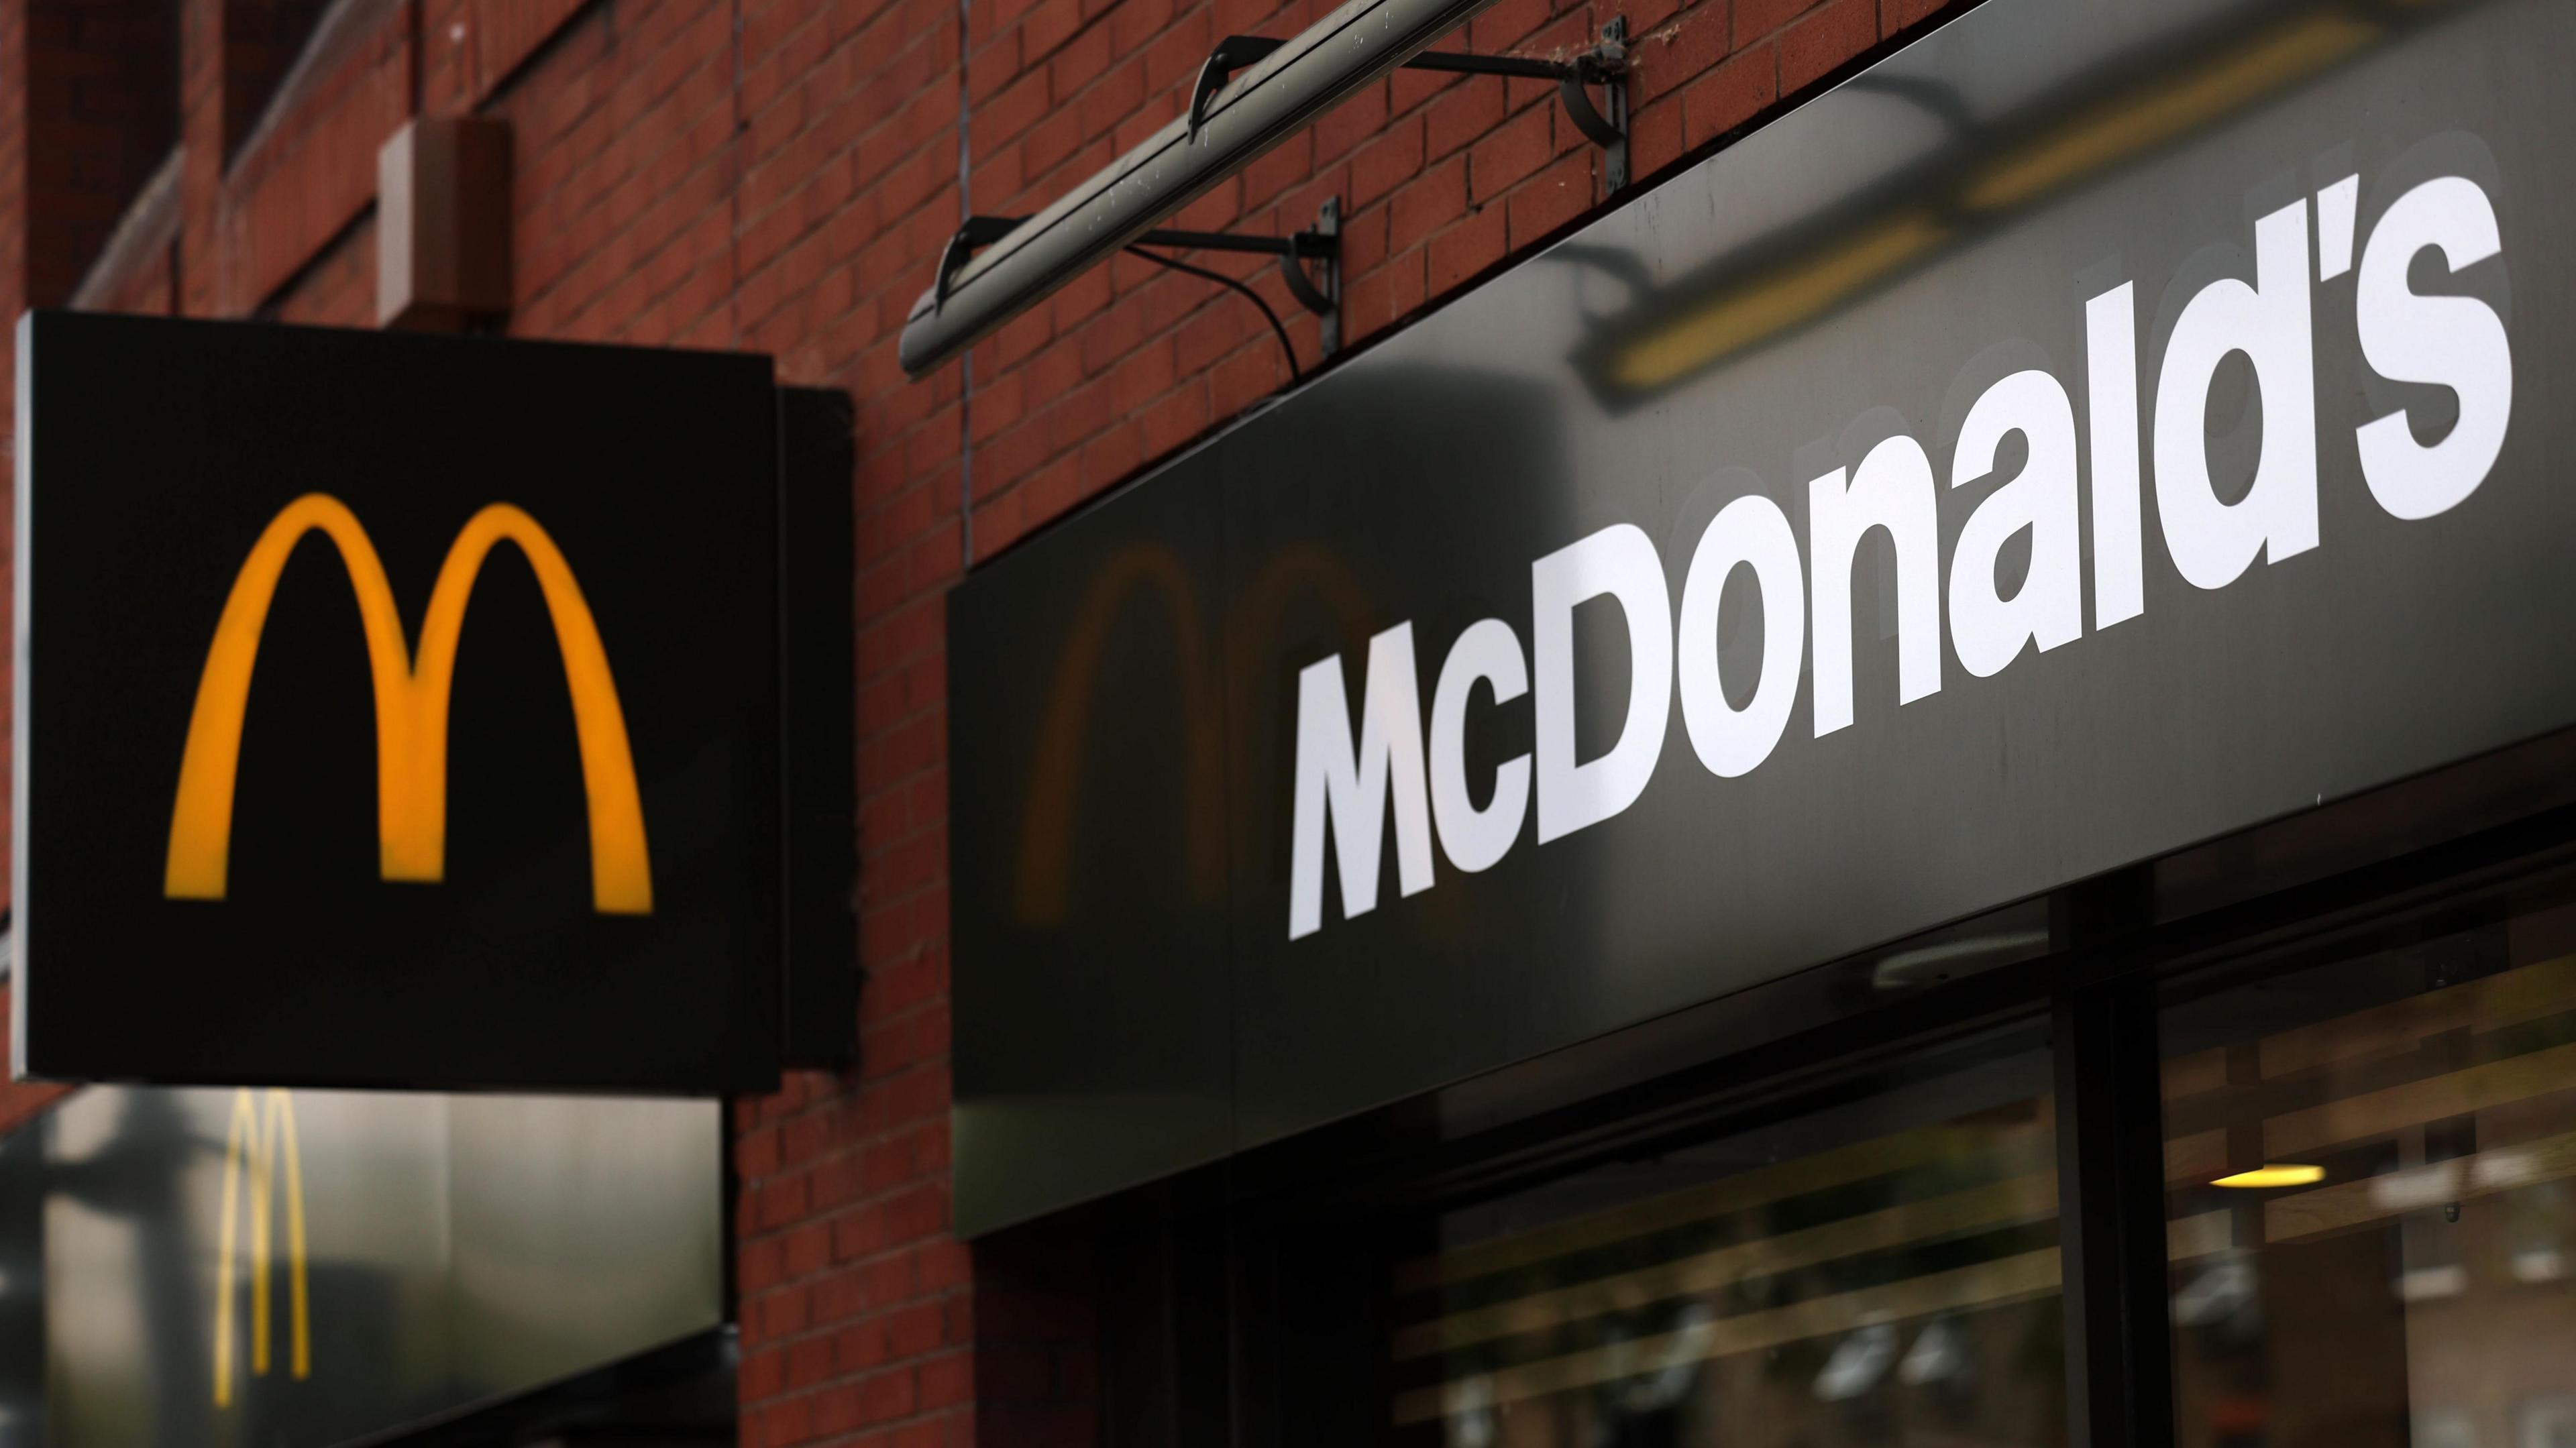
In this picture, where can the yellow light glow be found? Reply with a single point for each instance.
(2137, 122)
(1778, 301)
(2287, 1174)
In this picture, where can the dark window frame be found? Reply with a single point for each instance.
(1215, 1239)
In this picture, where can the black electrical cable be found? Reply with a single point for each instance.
(1159, 259)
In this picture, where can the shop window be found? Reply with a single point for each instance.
(2371, 1185)
(1874, 1263)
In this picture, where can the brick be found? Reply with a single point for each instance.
(1278, 168)
(1375, 301)
(1426, 204)
(1076, 58)
(1022, 105)
(1174, 57)
(1176, 417)
(1384, 163)
(1729, 96)
(1470, 246)
(1246, 376)
(1458, 117)
(1342, 129)
(1134, 22)
(1549, 200)
(1669, 57)
(1825, 39)
(1212, 332)
(1502, 26)
(1757, 19)
(1514, 150)
(946, 1381)
(1654, 138)
(1363, 240)
(1112, 99)
(1409, 90)
(1048, 25)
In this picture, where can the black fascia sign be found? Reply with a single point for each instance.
(2093, 430)
(394, 711)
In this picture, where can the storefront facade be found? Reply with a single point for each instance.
(1905, 793)
(1887, 766)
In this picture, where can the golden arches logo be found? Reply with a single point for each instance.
(411, 706)
(264, 1143)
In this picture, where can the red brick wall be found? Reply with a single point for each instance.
(299, 184)
(261, 41)
(102, 112)
(780, 175)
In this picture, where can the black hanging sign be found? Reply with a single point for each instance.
(394, 711)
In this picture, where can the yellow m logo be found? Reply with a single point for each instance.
(265, 1143)
(411, 707)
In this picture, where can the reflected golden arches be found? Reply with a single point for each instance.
(264, 1142)
(411, 706)
(1044, 887)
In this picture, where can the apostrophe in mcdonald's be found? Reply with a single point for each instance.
(411, 699)
(264, 1142)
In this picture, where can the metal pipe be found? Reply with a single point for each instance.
(1262, 106)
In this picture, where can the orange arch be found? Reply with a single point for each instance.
(1045, 885)
(411, 706)
(1044, 888)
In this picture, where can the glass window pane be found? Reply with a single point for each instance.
(2371, 1171)
(1875, 1263)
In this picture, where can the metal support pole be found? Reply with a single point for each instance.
(2110, 1172)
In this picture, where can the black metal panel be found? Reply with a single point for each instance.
(1868, 267)
(152, 457)
(817, 661)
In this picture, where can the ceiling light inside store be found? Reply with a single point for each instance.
(2270, 1174)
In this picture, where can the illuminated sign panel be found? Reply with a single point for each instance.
(411, 707)
(395, 711)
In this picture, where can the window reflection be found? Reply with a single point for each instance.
(1878, 1267)
(2371, 1172)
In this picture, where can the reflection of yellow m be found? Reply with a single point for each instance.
(411, 707)
(265, 1143)
(1044, 893)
